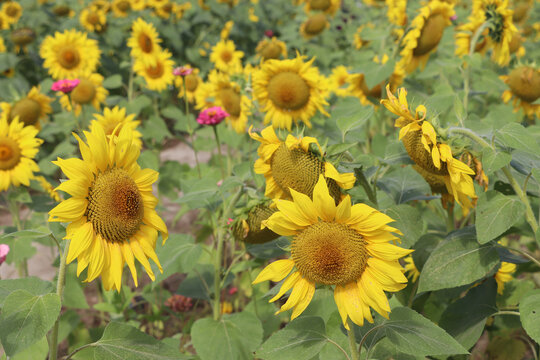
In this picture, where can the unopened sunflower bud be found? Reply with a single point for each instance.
(249, 230)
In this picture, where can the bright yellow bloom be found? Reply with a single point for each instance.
(524, 84)
(90, 91)
(4, 22)
(159, 76)
(397, 13)
(49, 189)
(114, 120)
(503, 275)
(121, 8)
(111, 211)
(251, 15)
(12, 11)
(289, 90)
(329, 7)
(18, 147)
(93, 20)
(144, 42)
(225, 57)
(34, 107)
(226, 31)
(271, 49)
(2, 45)
(343, 246)
(339, 80)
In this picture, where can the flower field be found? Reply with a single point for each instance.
(274, 180)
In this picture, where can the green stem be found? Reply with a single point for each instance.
(364, 338)
(371, 193)
(78, 349)
(190, 130)
(219, 152)
(503, 312)
(16, 216)
(352, 341)
(526, 254)
(53, 345)
(450, 218)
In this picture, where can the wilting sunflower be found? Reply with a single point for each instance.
(339, 81)
(93, 20)
(68, 53)
(18, 147)
(289, 90)
(290, 164)
(397, 12)
(188, 84)
(271, 49)
(343, 246)
(314, 26)
(34, 107)
(329, 7)
(420, 140)
(426, 32)
(225, 57)
(114, 120)
(503, 275)
(158, 76)
(90, 91)
(111, 211)
(410, 267)
(497, 35)
(12, 11)
(221, 90)
(248, 227)
(524, 84)
(144, 42)
(22, 37)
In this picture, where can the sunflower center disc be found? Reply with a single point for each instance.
(525, 83)
(155, 72)
(115, 205)
(84, 93)
(28, 111)
(68, 57)
(12, 11)
(191, 82)
(61, 10)
(124, 5)
(288, 91)
(145, 43)
(10, 153)
(329, 253)
(93, 18)
(319, 4)
(231, 101)
(315, 24)
(226, 56)
(431, 34)
(271, 51)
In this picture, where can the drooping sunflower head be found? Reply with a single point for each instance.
(157, 76)
(290, 164)
(113, 120)
(524, 84)
(111, 211)
(144, 42)
(339, 245)
(18, 147)
(248, 228)
(271, 49)
(289, 90)
(69, 53)
(314, 25)
(22, 37)
(30, 109)
(93, 19)
(225, 57)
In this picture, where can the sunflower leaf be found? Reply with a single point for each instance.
(495, 214)
(529, 310)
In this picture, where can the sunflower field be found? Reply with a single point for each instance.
(269, 179)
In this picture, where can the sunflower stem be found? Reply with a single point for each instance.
(352, 341)
(53, 345)
(190, 130)
(450, 218)
(371, 192)
(219, 152)
(467, 71)
(516, 313)
(16, 217)
(524, 253)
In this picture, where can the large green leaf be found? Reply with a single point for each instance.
(409, 221)
(26, 319)
(349, 114)
(301, 339)
(405, 184)
(529, 310)
(493, 161)
(459, 260)
(31, 284)
(121, 341)
(495, 214)
(74, 296)
(514, 135)
(465, 318)
(234, 337)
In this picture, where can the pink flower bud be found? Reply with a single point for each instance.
(65, 86)
(212, 116)
(453, 17)
(233, 290)
(229, 221)
(4, 250)
(268, 33)
(182, 71)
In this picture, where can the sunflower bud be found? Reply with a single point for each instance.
(28, 111)
(249, 230)
(22, 37)
(315, 25)
(524, 82)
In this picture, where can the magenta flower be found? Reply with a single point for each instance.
(212, 116)
(65, 86)
(182, 71)
(268, 33)
(4, 250)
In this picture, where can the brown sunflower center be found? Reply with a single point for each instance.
(431, 34)
(525, 83)
(319, 4)
(115, 205)
(84, 93)
(413, 144)
(145, 43)
(315, 24)
(123, 5)
(10, 153)
(68, 57)
(93, 18)
(231, 101)
(270, 51)
(28, 111)
(12, 11)
(226, 56)
(300, 171)
(155, 72)
(61, 10)
(288, 91)
(329, 253)
(23, 36)
(192, 81)
(254, 234)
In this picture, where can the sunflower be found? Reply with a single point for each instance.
(18, 147)
(30, 109)
(89, 91)
(101, 5)
(497, 35)
(111, 211)
(22, 37)
(225, 56)
(503, 275)
(420, 140)
(524, 84)
(329, 7)
(188, 84)
(410, 267)
(344, 246)
(220, 90)
(226, 31)
(4, 23)
(289, 90)
(314, 26)
(63, 10)
(144, 42)
(271, 49)
(248, 227)
(159, 76)
(113, 120)
(426, 32)
(338, 81)
(12, 11)
(93, 20)
(290, 164)
(48, 188)
(397, 12)
(180, 9)
(121, 8)
(68, 53)
(521, 10)
(358, 87)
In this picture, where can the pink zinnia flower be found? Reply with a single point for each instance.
(4, 250)
(212, 116)
(65, 86)
(182, 71)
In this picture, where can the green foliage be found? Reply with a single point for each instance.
(529, 310)
(495, 214)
